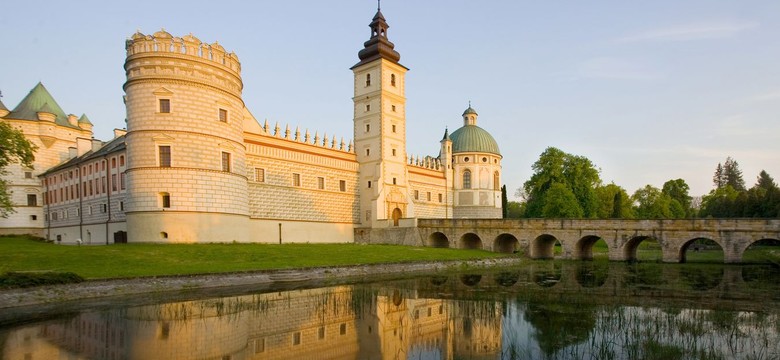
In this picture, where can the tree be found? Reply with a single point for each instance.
(765, 181)
(576, 173)
(613, 202)
(733, 175)
(504, 201)
(719, 202)
(14, 148)
(718, 179)
(652, 203)
(515, 210)
(678, 190)
(560, 202)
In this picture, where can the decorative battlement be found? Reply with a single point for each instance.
(316, 140)
(426, 162)
(164, 42)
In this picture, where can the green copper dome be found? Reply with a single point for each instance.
(472, 138)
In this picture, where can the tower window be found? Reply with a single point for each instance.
(369, 184)
(467, 179)
(165, 155)
(368, 152)
(320, 183)
(368, 107)
(392, 79)
(32, 200)
(28, 174)
(417, 194)
(440, 198)
(368, 127)
(394, 181)
(225, 161)
(393, 128)
(496, 181)
(342, 186)
(393, 152)
(296, 179)
(260, 175)
(121, 160)
(392, 107)
(165, 106)
(368, 79)
(428, 195)
(223, 115)
(165, 200)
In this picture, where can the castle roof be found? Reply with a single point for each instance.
(378, 46)
(2, 106)
(39, 100)
(84, 119)
(472, 138)
(117, 144)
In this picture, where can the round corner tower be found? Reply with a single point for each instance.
(186, 156)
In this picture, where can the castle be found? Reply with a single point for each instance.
(194, 165)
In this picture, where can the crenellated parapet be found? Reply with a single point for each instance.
(186, 58)
(324, 141)
(425, 162)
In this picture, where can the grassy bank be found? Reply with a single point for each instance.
(23, 254)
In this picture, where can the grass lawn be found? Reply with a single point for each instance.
(21, 253)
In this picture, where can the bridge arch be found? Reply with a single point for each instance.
(470, 279)
(543, 247)
(631, 246)
(583, 250)
(696, 244)
(470, 241)
(438, 240)
(505, 243)
(763, 241)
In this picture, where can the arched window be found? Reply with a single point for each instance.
(496, 181)
(467, 179)
(392, 79)
(368, 79)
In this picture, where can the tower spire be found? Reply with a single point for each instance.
(378, 46)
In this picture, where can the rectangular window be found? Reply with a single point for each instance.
(32, 200)
(222, 115)
(296, 338)
(165, 155)
(368, 107)
(392, 107)
(121, 161)
(417, 194)
(440, 198)
(393, 150)
(225, 161)
(296, 179)
(321, 333)
(368, 127)
(342, 185)
(393, 128)
(33, 217)
(343, 329)
(122, 181)
(113, 163)
(369, 184)
(429, 195)
(104, 185)
(165, 106)
(121, 206)
(259, 346)
(113, 182)
(321, 183)
(395, 181)
(103, 208)
(260, 175)
(166, 200)
(28, 174)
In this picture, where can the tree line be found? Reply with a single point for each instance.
(564, 185)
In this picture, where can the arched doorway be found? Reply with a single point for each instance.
(438, 240)
(396, 216)
(505, 243)
(470, 241)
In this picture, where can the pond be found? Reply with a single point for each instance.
(541, 310)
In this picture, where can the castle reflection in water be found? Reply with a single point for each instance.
(342, 322)
(545, 310)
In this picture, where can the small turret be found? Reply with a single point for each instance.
(84, 122)
(46, 113)
(3, 110)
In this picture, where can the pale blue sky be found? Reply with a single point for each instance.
(648, 91)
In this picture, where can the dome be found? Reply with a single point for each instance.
(472, 138)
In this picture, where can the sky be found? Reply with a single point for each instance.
(648, 91)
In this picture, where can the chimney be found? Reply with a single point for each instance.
(119, 132)
(96, 144)
(83, 145)
(73, 120)
(72, 152)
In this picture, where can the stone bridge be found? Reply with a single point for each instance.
(537, 237)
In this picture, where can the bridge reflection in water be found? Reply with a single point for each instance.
(548, 309)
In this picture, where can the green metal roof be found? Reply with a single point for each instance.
(84, 119)
(472, 138)
(2, 106)
(39, 100)
(470, 110)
